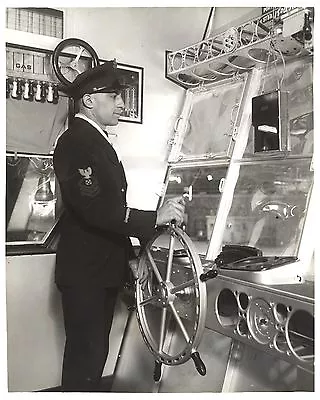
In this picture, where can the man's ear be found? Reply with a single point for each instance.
(87, 100)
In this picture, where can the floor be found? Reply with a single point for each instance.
(106, 385)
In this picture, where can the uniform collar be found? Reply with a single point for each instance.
(99, 129)
(94, 124)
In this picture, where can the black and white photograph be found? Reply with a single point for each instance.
(160, 200)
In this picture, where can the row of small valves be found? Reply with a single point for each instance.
(28, 89)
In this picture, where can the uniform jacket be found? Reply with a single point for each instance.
(94, 245)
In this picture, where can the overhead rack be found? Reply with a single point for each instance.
(252, 44)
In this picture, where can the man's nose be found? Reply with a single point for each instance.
(120, 102)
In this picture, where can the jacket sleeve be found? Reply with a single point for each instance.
(90, 190)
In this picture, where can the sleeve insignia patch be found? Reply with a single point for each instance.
(88, 184)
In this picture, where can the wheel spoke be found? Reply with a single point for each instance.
(162, 328)
(66, 65)
(78, 55)
(182, 286)
(170, 258)
(307, 357)
(69, 67)
(178, 319)
(77, 69)
(154, 267)
(148, 300)
(73, 65)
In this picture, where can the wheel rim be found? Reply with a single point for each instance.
(174, 295)
(68, 65)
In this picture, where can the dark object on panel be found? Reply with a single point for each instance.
(270, 121)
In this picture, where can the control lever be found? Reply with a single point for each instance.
(212, 273)
(199, 364)
(14, 93)
(50, 93)
(26, 94)
(38, 91)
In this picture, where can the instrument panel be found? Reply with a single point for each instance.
(279, 322)
(277, 319)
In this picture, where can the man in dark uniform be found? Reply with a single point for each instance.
(94, 250)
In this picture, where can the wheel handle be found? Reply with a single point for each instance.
(211, 274)
(157, 371)
(199, 364)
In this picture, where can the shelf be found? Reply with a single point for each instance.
(250, 45)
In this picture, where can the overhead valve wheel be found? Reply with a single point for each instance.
(71, 57)
(173, 295)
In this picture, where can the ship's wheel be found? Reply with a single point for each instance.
(71, 57)
(171, 306)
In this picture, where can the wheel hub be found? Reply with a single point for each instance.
(166, 296)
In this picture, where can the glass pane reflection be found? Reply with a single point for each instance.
(32, 205)
(212, 117)
(269, 206)
(202, 184)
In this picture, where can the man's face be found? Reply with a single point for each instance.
(107, 108)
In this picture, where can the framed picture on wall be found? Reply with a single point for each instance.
(132, 77)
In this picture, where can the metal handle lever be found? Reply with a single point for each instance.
(199, 364)
(212, 273)
(14, 93)
(50, 93)
(26, 92)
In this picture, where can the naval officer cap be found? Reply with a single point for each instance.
(103, 78)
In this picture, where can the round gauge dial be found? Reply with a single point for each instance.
(261, 322)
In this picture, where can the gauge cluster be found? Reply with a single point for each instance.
(279, 322)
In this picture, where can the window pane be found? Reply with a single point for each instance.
(269, 206)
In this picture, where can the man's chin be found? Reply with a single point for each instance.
(114, 121)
